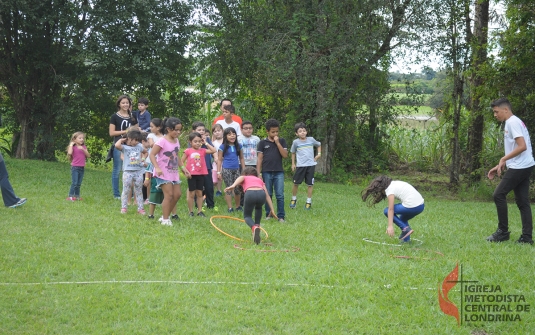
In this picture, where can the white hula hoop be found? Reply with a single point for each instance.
(420, 242)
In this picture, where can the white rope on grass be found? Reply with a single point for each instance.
(179, 282)
(420, 242)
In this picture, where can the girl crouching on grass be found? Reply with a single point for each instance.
(412, 203)
(77, 154)
(256, 195)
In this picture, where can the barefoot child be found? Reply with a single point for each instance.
(256, 195)
(412, 203)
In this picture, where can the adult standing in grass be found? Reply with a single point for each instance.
(519, 162)
(412, 203)
(8, 195)
(119, 123)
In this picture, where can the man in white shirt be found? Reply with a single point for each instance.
(519, 161)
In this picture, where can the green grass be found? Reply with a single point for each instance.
(83, 268)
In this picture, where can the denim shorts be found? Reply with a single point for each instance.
(160, 182)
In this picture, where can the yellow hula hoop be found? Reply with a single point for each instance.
(232, 218)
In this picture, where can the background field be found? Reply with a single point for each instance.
(83, 268)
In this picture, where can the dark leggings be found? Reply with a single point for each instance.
(254, 199)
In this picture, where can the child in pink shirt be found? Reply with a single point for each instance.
(166, 166)
(195, 162)
(256, 195)
(77, 154)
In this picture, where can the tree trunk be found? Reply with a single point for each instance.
(479, 58)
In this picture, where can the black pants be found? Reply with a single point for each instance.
(516, 180)
(209, 189)
(254, 199)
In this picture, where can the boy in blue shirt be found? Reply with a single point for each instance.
(142, 115)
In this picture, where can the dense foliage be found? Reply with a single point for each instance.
(62, 64)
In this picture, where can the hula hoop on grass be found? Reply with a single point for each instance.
(232, 218)
(420, 242)
(405, 256)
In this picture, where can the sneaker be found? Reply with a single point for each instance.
(141, 211)
(21, 202)
(405, 233)
(175, 217)
(150, 217)
(79, 199)
(230, 210)
(71, 199)
(308, 205)
(292, 203)
(191, 214)
(167, 222)
(201, 214)
(123, 210)
(218, 194)
(524, 240)
(117, 198)
(239, 209)
(281, 220)
(499, 236)
(268, 217)
(256, 234)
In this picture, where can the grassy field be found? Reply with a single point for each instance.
(84, 268)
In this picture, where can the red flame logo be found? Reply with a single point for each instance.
(445, 303)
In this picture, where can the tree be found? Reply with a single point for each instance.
(57, 57)
(479, 46)
(515, 70)
(307, 60)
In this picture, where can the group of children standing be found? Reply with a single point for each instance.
(151, 157)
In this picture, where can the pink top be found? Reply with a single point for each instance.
(251, 181)
(195, 161)
(78, 156)
(168, 158)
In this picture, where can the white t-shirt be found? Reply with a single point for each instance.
(405, 192)
(514, 127)
(233, 124)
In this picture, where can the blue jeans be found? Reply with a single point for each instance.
(402, 214)
(77, 174)
(275, 180)
(8, 195)
(117, 167)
